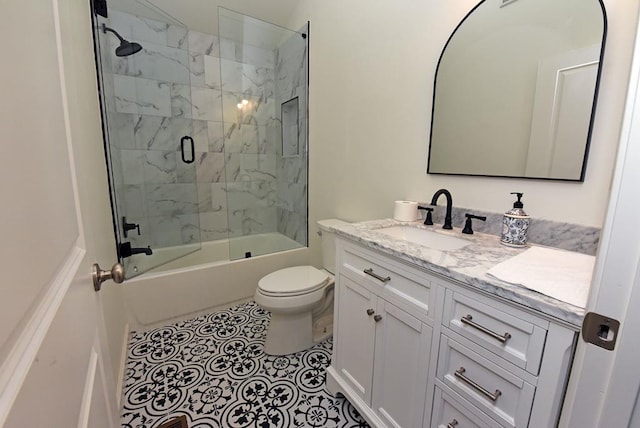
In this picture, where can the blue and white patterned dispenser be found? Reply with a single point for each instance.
(515, 224)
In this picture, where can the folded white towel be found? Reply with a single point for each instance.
(564, 275)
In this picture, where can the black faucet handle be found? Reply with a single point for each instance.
(467, 224)
(126, 227)
(428, 220)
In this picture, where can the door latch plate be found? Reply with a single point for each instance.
(600, 330)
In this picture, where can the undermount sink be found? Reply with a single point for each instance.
(426, 238)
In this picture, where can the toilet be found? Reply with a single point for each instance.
(299, 299)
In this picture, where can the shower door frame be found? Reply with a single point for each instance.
(123, 243)
(288, 209)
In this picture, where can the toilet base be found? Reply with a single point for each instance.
(289, 333)
(323, 326)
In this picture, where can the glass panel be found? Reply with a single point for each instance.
(263, 66)
(150, 133)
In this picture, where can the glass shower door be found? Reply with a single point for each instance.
(150, 135)
(263, 71)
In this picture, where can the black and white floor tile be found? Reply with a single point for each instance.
(213, 370)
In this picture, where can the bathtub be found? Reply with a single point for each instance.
(205, 279)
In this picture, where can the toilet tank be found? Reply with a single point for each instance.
(329, 243)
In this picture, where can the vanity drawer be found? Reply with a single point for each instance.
(498, 392)
(514, 335)
(450, 412)
(406, 287)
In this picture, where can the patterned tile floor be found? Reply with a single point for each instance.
(212, 369)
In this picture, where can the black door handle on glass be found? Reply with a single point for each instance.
(191, 148)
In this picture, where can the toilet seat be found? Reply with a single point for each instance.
(293, 281)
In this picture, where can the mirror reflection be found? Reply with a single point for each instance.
(515, 90)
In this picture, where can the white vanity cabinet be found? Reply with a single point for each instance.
(414, 349)
(508, 362)
(382, 349)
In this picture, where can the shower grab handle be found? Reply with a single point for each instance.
(192, 148)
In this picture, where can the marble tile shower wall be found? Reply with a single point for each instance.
(189, 83)
(292, 72)
(250, 134)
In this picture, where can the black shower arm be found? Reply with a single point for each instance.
(105, 29)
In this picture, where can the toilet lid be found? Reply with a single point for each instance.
(294, 280)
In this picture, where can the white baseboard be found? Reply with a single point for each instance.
(122, 366)
(139, 327)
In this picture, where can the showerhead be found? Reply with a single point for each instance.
(126, 47)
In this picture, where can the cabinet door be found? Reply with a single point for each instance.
(355, 336)
(401, 367)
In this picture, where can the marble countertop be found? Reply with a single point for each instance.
(468, 265)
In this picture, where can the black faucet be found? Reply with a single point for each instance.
(447, 217)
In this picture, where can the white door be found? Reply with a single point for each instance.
(604, 385)
(54, 367)
(562, 113)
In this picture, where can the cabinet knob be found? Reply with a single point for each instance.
(377, 318)
(452, 424)
(370, 312)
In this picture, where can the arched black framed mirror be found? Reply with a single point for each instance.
(515, 90)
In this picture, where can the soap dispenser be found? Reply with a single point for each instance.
(515, 224)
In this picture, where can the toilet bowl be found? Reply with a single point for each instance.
(291, 295)
(299, 298)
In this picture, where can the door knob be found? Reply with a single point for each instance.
(99, 276)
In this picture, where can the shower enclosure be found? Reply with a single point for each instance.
(205, 134)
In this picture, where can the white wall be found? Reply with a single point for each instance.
(372, 66)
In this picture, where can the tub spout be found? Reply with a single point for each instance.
(127, 251)
(146, 251)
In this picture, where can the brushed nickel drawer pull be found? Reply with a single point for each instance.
(376, 276)
(491, 396)
(502, 339)
(452, 424)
